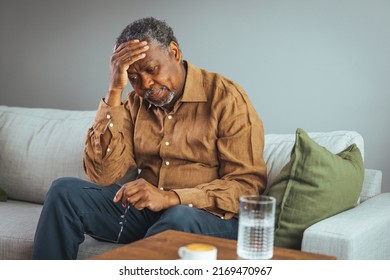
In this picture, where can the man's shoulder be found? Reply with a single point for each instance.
(215, 82)
(219, 86)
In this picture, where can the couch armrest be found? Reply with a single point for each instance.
(359, 233)
(372, 184)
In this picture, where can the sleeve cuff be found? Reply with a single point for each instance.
(193, 197)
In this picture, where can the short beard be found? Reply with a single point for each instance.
(159, 103)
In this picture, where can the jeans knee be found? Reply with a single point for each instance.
(61, 187)
(66, 182)
(180, 217)
(180, 214)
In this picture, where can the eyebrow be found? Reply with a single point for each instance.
(143, 66)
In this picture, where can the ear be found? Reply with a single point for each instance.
(174, 51)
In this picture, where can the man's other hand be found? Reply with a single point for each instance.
(141, 194)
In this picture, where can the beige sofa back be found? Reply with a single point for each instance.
(38, 146)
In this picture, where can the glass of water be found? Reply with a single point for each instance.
(256, 227)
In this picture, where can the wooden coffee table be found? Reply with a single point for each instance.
(164, 246)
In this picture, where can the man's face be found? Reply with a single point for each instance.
(157, 78)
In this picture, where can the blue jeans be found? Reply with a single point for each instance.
(74, 207)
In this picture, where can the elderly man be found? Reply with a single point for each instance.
(193, 135)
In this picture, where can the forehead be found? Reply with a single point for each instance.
(155, 54)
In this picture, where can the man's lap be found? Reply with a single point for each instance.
(101, 217)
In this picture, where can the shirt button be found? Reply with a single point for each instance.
(167, 143)
(108, 150)
(190, 205)
(170, 117)
(223, 218)
(161, 188)
(111, 124)
(167, 163)
(108, 116)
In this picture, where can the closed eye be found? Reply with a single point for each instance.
(133, 78)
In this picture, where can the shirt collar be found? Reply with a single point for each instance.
(193, 88)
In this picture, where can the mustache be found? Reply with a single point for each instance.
(150, 91)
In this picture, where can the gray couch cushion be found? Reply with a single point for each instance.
(18, 221)
(92, 247)
(38, 146)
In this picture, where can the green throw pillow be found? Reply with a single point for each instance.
(314, 185)
(3, 195)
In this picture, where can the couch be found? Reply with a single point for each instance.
(40, 145)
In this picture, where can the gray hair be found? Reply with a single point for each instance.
(149, 29)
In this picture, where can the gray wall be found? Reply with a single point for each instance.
(320, 65)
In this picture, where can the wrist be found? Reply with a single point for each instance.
(113, 97)
(172, 199)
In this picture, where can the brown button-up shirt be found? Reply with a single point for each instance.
(208, 149)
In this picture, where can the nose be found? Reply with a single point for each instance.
(147, 81)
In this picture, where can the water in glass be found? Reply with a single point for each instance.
(256, 228)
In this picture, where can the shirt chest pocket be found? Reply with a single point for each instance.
(196, 141)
